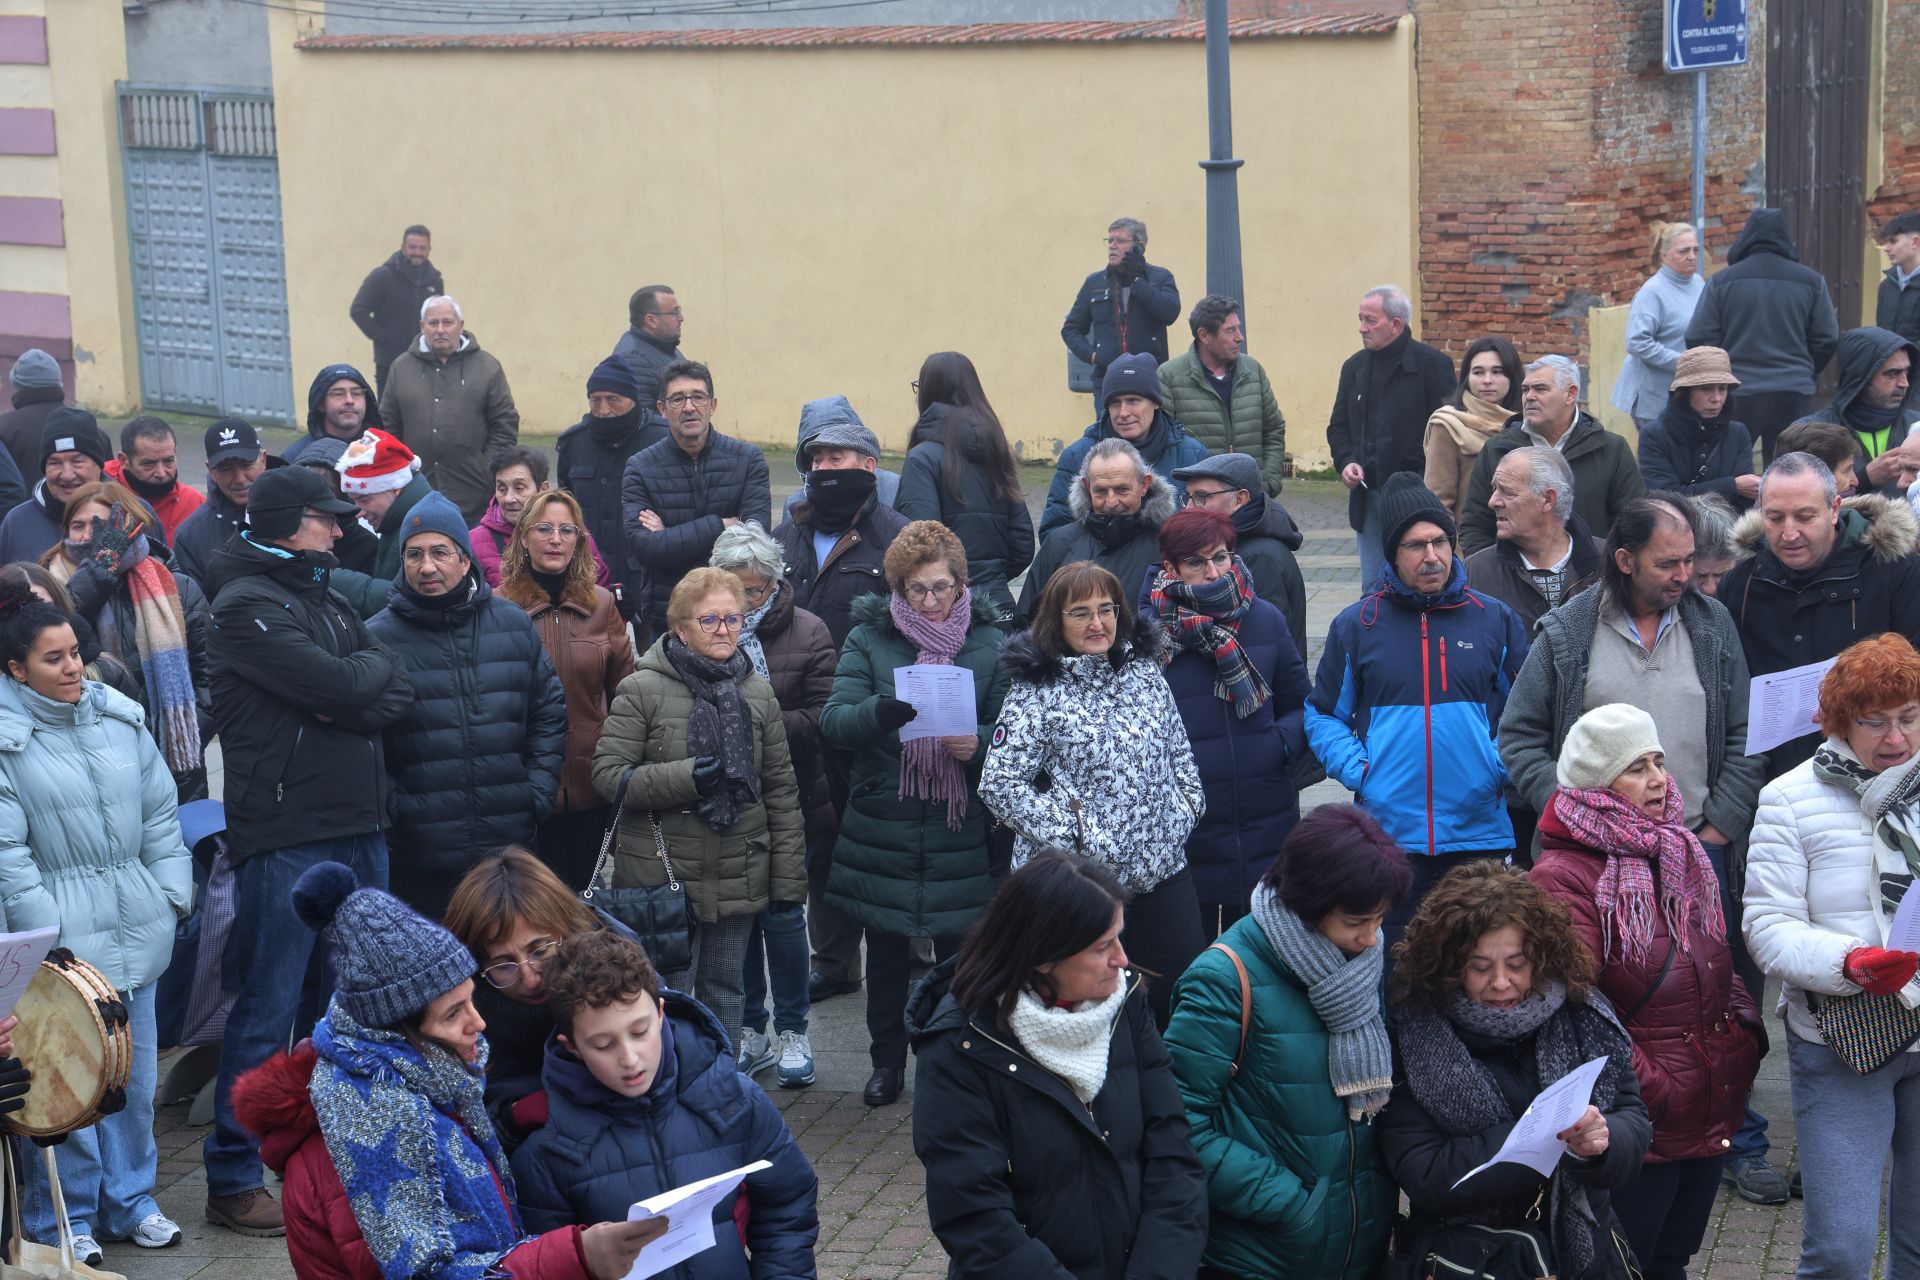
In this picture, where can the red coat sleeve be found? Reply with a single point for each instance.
(554, 1255)
(323, 1239)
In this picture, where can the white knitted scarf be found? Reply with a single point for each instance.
(1071, 1043)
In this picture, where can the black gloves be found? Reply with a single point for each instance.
(891, 713)
(1131, 267)
(13, 1084)
(709, 775)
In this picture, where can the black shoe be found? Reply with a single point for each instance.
(821, 987)
(1755, 1180)
(883, 1086)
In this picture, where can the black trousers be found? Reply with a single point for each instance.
(1664, 1211)
(569, 843)
(1767, 414)
(889, 971)
(1162, 936)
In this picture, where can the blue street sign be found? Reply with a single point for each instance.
(1702, 34)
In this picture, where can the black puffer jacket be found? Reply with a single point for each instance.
(997, 533)
(853, 569)
(284, 651)
(691, 496)
(476, 759)
(206, 531)
(590, 462)
(1025, 1180)
(1773, 316)
(1268, 537)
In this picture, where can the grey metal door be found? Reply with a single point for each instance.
(209, 274)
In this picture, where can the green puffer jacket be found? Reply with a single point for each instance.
(898, 868)
(728, 874)
(1252, 425)
(1297, 1190)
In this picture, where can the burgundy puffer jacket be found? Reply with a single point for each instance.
(1697, 1042)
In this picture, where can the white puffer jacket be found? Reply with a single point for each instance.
(1812, 881)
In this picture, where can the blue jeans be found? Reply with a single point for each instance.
(1847, 1124)
(1373, 561)
(1749, 1143)
(106, 1171)
(272, 960)
(777, 948)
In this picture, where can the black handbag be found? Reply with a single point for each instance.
(1468, 1251)
(659, 916)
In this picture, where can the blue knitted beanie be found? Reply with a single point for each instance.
(389, 962)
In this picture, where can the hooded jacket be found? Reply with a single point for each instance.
(1697, 1034)
(1869, 583)
(387, 306)
(691, 496)
(1862, 352)
(1127, 552)
(1092, 327)
(316, 406)
(601, 1152)
(1167, 448)
(1682, 452)
(1404, 708)
(476, 759)
(1606, 477)
(590, 460)
(996, 532)
(454, 416)
(898, 868)
(854, 570)
(1248, 421)
(815, 415)
(1120, 785)
(1025, 1180)
(1773, 316)
(89, 840)
(301, 692)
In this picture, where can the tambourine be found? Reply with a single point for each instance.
(73, 1036)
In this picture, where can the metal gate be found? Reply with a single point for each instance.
(209, 276)
(1817, 52)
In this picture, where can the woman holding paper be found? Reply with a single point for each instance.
(1835, 847)
(1493, 1001)
(911, 858)
(89, 842)
(1615, 849)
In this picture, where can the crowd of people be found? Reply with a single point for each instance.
(556, 790)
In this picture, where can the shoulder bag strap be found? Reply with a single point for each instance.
(1246, 1005)
(660, 849)
(1673, 949)
(603, 865)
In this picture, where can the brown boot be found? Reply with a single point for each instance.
(251, 1213)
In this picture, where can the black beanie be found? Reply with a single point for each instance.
(1404, 501)
(70, 430)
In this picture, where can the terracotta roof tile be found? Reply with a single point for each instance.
(1342, 24)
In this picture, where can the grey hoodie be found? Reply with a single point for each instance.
(815, 415)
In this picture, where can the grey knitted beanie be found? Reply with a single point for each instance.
(389, 962)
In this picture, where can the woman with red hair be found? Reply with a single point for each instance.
(1835, 846)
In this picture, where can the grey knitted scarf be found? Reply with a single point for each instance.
(1461, 1096)
(720, 725)
(1345, 992)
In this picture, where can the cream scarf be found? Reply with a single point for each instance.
(1071, 1043)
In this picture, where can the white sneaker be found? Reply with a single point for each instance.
(756, 1052)
(796, 1060)
(86, 1249)
(156, 1231)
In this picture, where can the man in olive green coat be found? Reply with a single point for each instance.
(1222, 395)
(449, 402)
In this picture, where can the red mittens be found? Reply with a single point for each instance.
(1879, 971)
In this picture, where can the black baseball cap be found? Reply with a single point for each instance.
(232, 438)
(295, 488)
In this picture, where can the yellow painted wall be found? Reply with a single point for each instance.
(830, 216)
(1606, 350)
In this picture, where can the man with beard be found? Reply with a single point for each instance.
(1118, 504)
(676, 496)
(1874, 403)
(836, 541)
(652, 341)
(235, 459)
(340, 405)
(73, 453)
(591, 459)
(149, 464)
(387, 307)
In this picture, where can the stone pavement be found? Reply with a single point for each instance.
(873, 1223)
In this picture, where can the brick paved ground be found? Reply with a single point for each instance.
(873, 1222)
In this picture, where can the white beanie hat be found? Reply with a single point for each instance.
(1603, 743)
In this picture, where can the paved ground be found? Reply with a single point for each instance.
(872, 1207)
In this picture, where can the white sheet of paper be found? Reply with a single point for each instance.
(20, 957)
(1904, 933)
(689, 1214)
(943, 696)
(1781, 706)
(1559, 1106)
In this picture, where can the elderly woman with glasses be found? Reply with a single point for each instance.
(696, 744)
(911, 860)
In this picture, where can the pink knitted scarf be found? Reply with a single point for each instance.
(1645, 860)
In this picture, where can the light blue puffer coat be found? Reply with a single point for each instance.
(88, 835)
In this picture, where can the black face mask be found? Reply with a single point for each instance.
(1112, 531)
(837, 496)
(151, 492)
(611, 431)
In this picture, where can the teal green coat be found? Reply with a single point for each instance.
(1251, 424)
(1296, 1189)
(898, 868)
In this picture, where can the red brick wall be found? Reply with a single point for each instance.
(1547, 147)
(1900, 181)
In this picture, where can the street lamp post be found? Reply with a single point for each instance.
(1223, 191)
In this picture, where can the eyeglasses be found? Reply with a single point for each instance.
(321, 517)
(1219, 560)
(938, 591)
(714, 623)
(564, 530)
(1907, 722)
(506, 975)
(1430, 545)
(681, 399)
(1201, 497)
(756, 595)
(1080, 616)
(440, 555)
(677, 313)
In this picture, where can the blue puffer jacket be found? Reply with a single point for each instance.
(1245, 765)
(1409, 691)
(1167, 447)
(600, 1152)
(476, 759)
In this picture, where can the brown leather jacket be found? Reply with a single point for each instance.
(592, 654)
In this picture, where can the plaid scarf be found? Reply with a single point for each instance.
(928, 770)
(1650, 866)
(1205, 619)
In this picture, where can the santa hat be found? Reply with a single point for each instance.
(376, 463)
